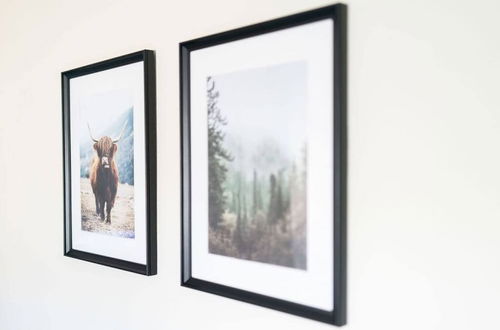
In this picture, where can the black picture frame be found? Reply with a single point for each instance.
(148, 58)
(338, 13)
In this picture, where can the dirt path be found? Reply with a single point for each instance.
(122, 214)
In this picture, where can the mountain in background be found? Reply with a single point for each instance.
(125, 155)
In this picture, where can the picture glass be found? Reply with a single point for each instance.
(262, 164)
(108, 163)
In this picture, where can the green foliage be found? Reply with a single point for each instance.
(217, 157)
(272, 233)
(256, 195)
(273, 211)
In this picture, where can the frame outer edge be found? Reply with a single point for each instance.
(151, 159)
(149, 95)
(340, 92)
(184, 54)
(337, 12)
(65, 134)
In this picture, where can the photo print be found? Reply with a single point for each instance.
(257, 164)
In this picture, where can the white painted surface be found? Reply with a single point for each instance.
(424, 178)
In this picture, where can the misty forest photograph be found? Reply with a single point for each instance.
(107, 166)
(257, 171)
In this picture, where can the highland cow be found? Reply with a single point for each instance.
(103, 174)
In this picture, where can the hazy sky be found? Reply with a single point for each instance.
(265, 104)
(102, 110)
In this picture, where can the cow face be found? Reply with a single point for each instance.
(106, 150)
(106, 147)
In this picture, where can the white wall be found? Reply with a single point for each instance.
(424, 165)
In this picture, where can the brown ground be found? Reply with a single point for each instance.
(122, 214)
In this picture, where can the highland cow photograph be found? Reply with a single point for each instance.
(107, 165)
(257, 171)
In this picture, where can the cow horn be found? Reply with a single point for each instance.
(121, 133)
(90, 133)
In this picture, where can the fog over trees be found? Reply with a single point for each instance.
(257, 191)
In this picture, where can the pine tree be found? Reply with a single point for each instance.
(217, 157)
(292, 186)
(241, 219)
(272, 216)
(255, 196)
(244, 219)
(280, 204)
(259, 203)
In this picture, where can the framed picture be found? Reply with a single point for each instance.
(109, 132)
(263, 114)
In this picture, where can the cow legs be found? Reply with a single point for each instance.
(97, 208)
(101, 208)
(109, 206)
